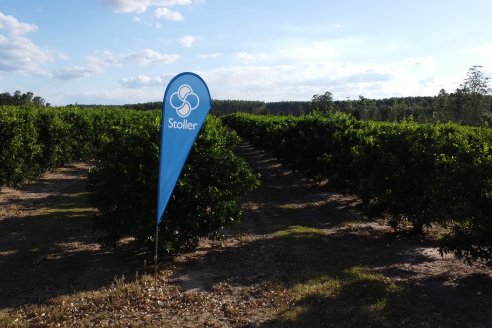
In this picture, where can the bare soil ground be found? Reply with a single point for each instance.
(47, 245)
(302, 257)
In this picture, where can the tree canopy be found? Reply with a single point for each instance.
(21, 99)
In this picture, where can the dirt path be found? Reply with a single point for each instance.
(435, 291)
(302, 257)
(47, 245)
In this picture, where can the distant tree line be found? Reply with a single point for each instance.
(223, 107)
(460, 106)
(22, 99)
(145, 106)
(469, 104)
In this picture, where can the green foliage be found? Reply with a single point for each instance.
(33, 140)
(20, 153)
(21, 99)
(470, 104)
(206, 198)
(323, 103)
(420, 173)
(222, 107)
(125, 147)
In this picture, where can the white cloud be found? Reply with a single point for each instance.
(13, 26)
(301, 80)
(298, 81)
(139, 20)
(485, 49)
(211, 55)
(249, 58)
(110, 95)
(140, 6)
(17, 52)
(187, 41)
(144, 81)
(168, 14)
(142, 57)
(162, 10)
(100, 61)
(293, 81)
(316, 51)
(73, 72)
(368, 76)
(270, 83)
(148, 56)
(296, 69)
(424, 62)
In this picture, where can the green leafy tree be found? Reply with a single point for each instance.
(26, 98)
(476, 83)
(21, 99)
(38, 101)
(323, 103)
(17, 97)
(471, 97)
(441, 106)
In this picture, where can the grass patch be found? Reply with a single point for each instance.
(77, 203)
(328, 284)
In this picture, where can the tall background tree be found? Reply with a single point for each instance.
(470, 104)
(323, 103)
(476, 86)
(21, 99)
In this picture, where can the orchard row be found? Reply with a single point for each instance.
(420, 174)
(124, 147)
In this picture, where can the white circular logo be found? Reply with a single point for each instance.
(184, 100)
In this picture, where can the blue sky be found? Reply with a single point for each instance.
(125, 51)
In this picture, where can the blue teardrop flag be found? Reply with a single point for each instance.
(184, 109)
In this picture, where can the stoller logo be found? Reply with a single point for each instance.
(186, 104)
(183, 101)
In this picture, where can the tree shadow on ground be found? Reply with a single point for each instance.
(336, 281)
(44, 256)
(53, 250)
(337, 276)
(285, 196)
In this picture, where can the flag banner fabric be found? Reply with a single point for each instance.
(184, 109)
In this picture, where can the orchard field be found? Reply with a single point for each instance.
(420, 174)
(319, 220)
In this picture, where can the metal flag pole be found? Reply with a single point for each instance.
(156, 247)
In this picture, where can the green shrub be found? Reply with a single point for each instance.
(20, 152)
(125, 147)
(33, 140)
(206, 198)
(421, 173)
